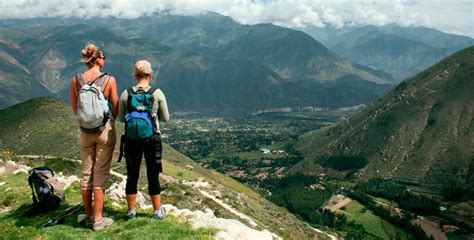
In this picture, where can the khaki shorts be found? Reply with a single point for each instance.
(96, 151)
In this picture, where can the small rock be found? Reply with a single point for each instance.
(116, 193)
(198, 184)
(167, 180)
(66, 181)
(216, 193)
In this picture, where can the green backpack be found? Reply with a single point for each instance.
(138, 120)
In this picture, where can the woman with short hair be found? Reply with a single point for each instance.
(141, 107)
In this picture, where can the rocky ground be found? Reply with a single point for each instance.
(229, 221)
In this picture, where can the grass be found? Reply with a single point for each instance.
(276, 146)
(180, 172)
(372, 223)
(143, 227)
(239, 197)
(16, 196)
(383, 200)
(40, 121)
(234, 185)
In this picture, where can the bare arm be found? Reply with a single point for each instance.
(73, 94)
(113, 97)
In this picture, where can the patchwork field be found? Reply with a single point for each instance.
(372, 223)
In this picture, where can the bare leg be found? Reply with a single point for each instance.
(98, 203)
(87, 201)
(131, 201)
(156, 200)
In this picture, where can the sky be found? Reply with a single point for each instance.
(452, 16)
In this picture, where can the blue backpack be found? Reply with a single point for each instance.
(138, 120)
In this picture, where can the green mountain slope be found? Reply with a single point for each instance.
(46, 126)
(421, 132)
(26, 128)
(294, 55)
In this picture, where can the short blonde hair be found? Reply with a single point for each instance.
(143, 69)
(90, 54)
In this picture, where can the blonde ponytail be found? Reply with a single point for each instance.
(90, 54)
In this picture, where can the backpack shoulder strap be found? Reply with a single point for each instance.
(151, 90)
(80, 81)
(103, 78)
(99, 79)
(103, 82)
(130, 91)
(33, 190)
(107, 81)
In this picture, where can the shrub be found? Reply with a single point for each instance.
(346, 162)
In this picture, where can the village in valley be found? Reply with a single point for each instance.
(248, 148)
(258, 150)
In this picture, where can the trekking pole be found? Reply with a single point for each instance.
(61, 218)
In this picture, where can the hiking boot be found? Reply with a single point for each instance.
(130, 215)
(158, 214)
(103, 223)
(81, 219)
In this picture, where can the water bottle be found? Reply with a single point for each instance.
(158, 147)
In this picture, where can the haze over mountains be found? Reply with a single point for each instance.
(421, 132)
(400, 51)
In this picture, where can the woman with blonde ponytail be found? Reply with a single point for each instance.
(141, 107)
(96, 144)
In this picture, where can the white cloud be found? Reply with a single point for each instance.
(331, 17)
(455, 16)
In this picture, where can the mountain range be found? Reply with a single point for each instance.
(400, 51)
(207, 62)
(210, 63)
(421, 132)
